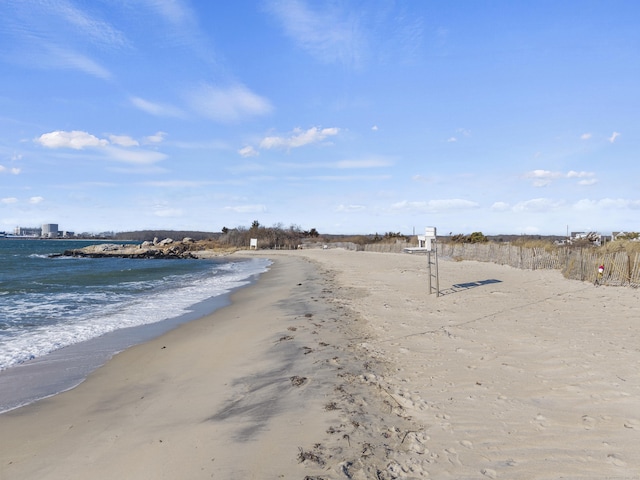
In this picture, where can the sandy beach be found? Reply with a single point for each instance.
(340, 365)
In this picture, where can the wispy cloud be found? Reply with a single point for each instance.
(543, 178)
(608, 204)
(184, 28)
(157, 109)
(350, 208)
(247, 208)
(538, 205)
(169, 212)
(585, 136)
(330, 34)
(299, 138)
(70, 59)
(156, 138)
(433, 206)
(57, 34)
(248, 151)
(614, 136)
(500, 206)
(136, 157)
(123, 140)
(350, 34)
(227, 105)
(364, 163)
(94, 29)
(13, 170)
(176, 12)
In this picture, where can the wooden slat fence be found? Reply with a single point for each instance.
(621, 268)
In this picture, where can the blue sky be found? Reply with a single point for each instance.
(344, 116)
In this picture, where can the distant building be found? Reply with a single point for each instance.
(594, 238)
(50, 230)
(27, 232)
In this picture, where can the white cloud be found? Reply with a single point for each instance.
(8, 200)
(36, 200)
(574, 174)
(158, 137)
(614, 204)
(299, 138)
(78, 140)
(247, 208)
(15, 171)
(452, 139)
(424, 179)
(137, 157)
(435, 205)
(364, 163)
(350, 208)
(375, 128)
(157, 109)
(179, 183)
(248, 151)
(542, 178)
(587, 182)
(123, 140)
(500, 206)
(227, 105)
(585, 136)
(614, 136)
(538, 205)
(75, 139)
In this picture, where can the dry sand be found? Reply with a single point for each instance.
(339, 365)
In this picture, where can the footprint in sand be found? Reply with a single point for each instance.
(541, 421)
(452, 456)
(615, 459)
(489, 473)
(466, 444)
(588, 422)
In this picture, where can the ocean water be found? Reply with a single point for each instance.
(62, 317)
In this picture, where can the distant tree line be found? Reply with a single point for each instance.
(475, 237)
(277, 236)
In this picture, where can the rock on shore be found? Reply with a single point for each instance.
(166, 248)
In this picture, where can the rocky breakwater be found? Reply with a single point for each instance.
(166, 248)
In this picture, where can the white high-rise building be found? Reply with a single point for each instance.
(50, 230)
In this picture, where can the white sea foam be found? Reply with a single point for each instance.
(89, 321)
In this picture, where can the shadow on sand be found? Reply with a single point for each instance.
(459, 287)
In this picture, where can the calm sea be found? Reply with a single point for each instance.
(62, 317)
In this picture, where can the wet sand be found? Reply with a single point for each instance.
(339, 364)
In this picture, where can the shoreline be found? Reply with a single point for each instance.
(207, 392)
(66, 368)
(338, 364)
(70, 362)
